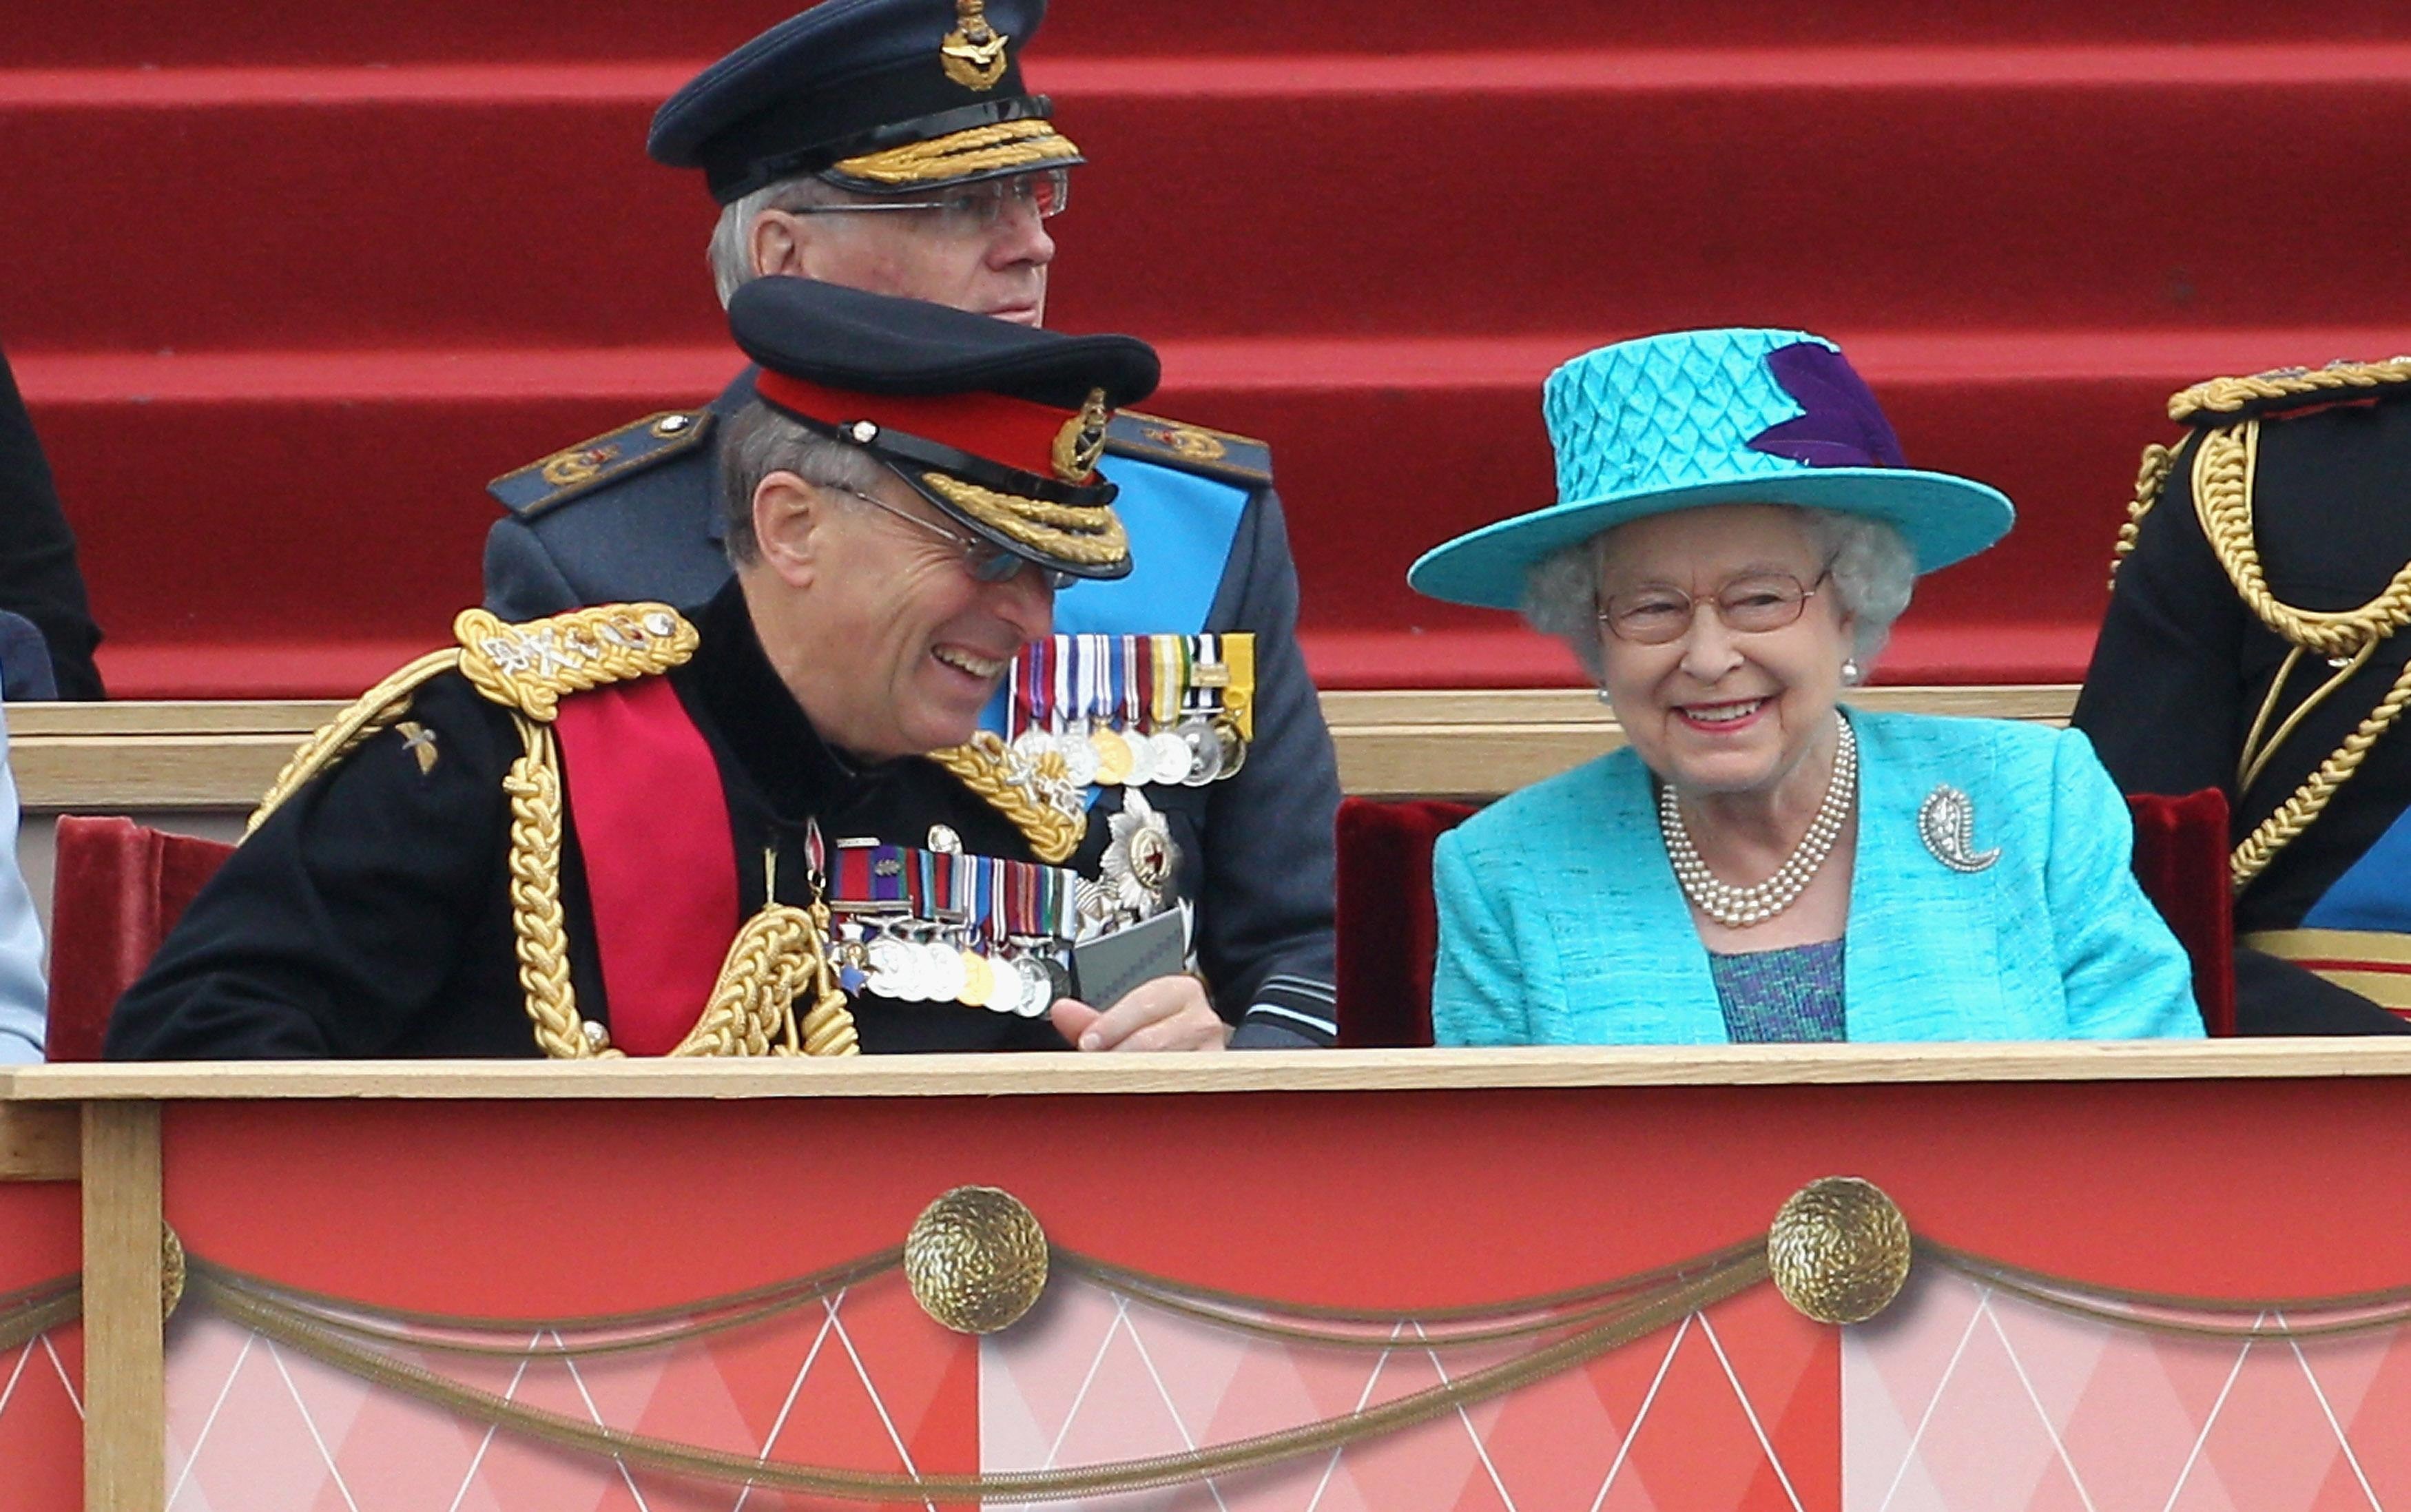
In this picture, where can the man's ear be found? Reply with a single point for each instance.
(774, 244)
(788, 516)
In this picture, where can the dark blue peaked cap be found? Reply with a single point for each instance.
(997, 424)
(882, 97)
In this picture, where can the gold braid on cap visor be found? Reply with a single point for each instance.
(1090, 534)
(1027, 144)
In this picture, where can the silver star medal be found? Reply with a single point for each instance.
(1945, 822)
(1140, 857)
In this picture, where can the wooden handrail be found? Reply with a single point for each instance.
(1256, 1071)
(1473, 743)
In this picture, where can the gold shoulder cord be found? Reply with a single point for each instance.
(2224, 467)
(2152, 477)
(779, 954)
(1042, 803)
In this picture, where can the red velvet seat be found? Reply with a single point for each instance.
(1389, 929)
(118, 887)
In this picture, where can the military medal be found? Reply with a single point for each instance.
(939, 973)
(1129, 710)
(891, 970)
(1139, 861)
(1204, 752)
(1099, 703)
(1113, 756)
(1026, 706)
(1037, 989)
(1231, 752)
(1133, 678)
(979, 980)
(1205, 676)
(935, 927)
(1071, 668)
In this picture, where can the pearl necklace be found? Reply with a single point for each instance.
(1738, 908)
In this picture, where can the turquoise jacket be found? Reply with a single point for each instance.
(1560, 922)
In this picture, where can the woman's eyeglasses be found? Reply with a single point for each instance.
(1750, 604)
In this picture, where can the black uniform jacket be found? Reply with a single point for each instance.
(38, 577)
(1256, 857)
(2182, 667)
(369, 917)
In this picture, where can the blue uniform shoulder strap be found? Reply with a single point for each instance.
(581, 469)
(1190, 449)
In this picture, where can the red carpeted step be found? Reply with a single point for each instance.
(1473, 195)
(117, 33)
(280, 500)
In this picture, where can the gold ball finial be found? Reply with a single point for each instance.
(976, 1259)
(171, 1273)
(1838, 1250)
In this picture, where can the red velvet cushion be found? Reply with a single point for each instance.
(2181, 857)
(1389, 929)
(117, 888)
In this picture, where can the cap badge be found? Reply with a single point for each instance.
(972, 53)
(1082, 440)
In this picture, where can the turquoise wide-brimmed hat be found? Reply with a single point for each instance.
(1739, 416)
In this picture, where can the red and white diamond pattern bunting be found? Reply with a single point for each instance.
(1965, 1399)
(1699, 1416)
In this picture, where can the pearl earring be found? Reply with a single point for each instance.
(1850, 670)
(1601, 695)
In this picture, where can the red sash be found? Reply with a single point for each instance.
(661, 870)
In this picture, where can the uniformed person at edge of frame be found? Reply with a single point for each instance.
(2253, 644)
(890, 145)
(768, 825)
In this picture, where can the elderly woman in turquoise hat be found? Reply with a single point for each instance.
(1736, 532)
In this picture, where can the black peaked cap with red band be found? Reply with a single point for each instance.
(988, 420)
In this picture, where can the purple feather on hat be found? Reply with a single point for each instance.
(1842, 425)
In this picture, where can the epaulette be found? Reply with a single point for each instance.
(525, 668)
(529, 667)
(1191, 448)
(607, 458)
(2224, 400)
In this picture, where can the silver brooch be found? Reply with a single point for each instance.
(1945, 822)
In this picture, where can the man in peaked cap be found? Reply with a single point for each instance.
(2251, 645)
(768, 827)
(889, 145)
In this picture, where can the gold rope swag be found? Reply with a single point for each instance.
(35, 1310)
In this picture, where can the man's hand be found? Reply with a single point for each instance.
(1168, 1014)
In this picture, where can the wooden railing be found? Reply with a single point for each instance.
(102, 758)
